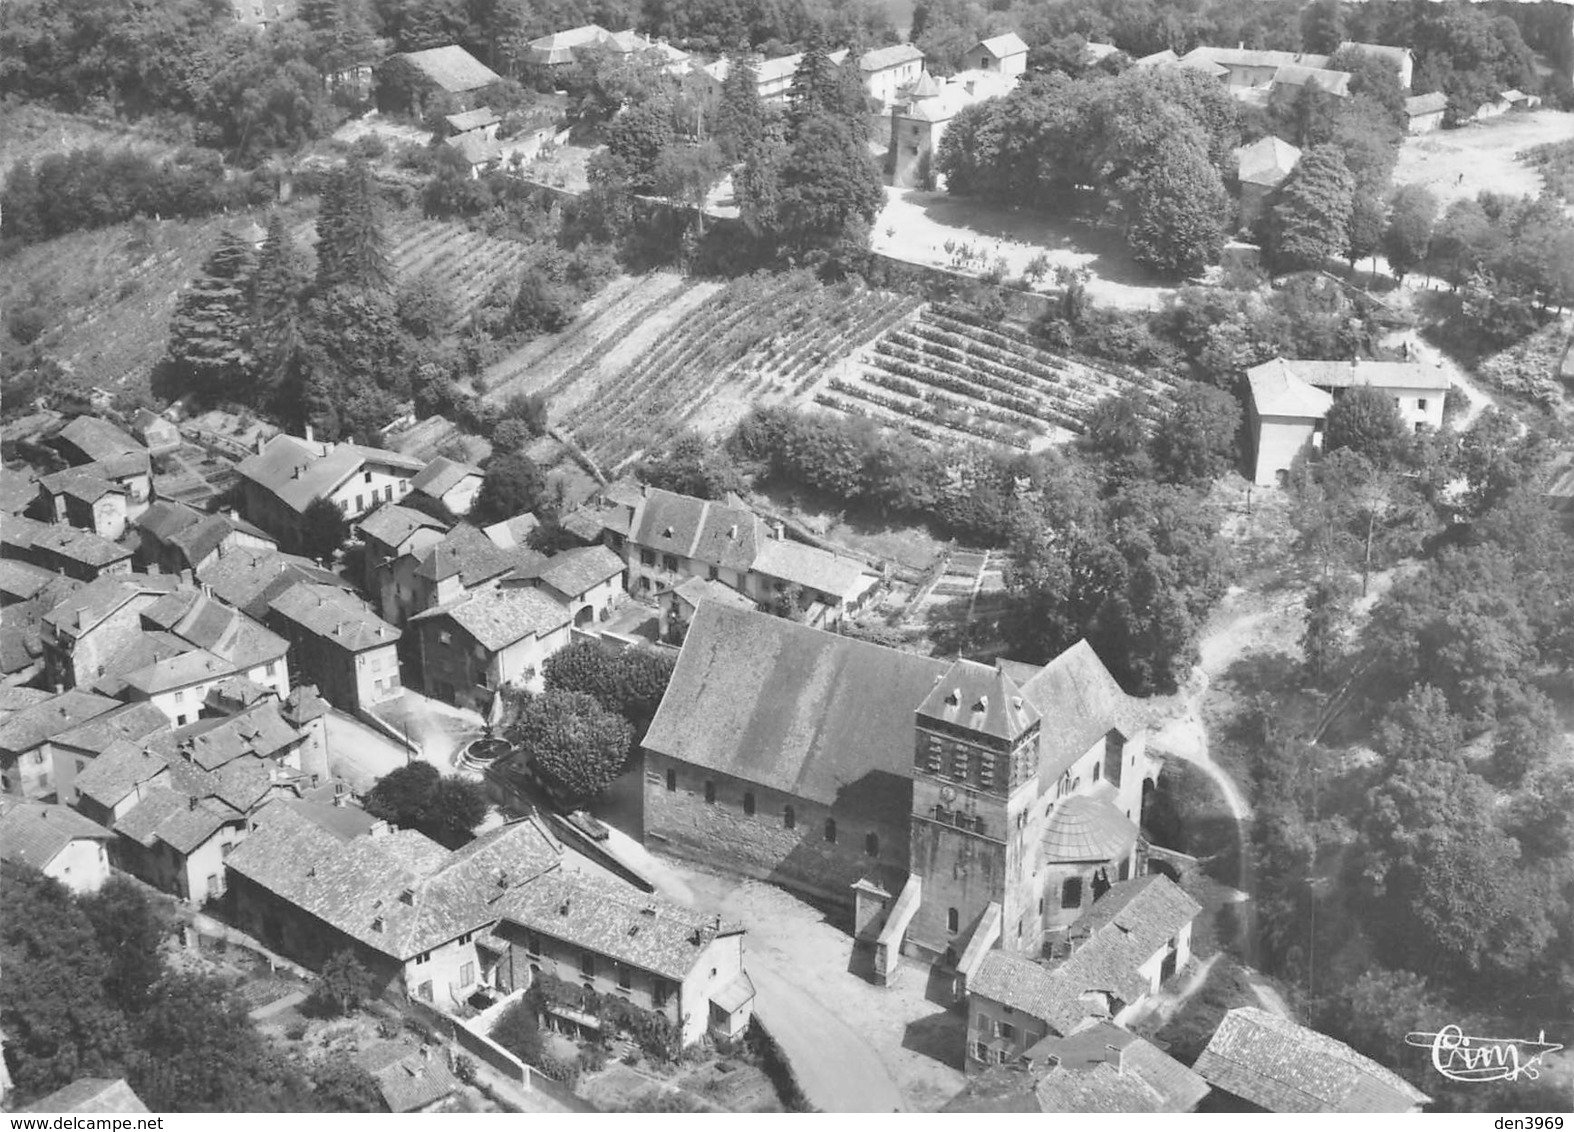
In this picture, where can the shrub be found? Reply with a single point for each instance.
(464, 1069)
(27, 324)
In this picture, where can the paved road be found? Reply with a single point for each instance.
(836, 1068)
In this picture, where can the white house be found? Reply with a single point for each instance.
(57, 841)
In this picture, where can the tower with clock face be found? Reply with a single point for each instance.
(975, 771)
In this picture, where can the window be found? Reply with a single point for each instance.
(224, 849)
(1421, 403)
(748, 804)
(672, 779)
(953, 920)
(213, 884)
(81, 766)
(1071, 893)
(872, 844)
(180, 695)
(669, 562)
(710, 792)
(587, 964)
(647, 557)
(789, 818)
(467, 974)
(625, 978)
(1125, 870)
(1006, 1030)
(830, 830)
(344, 506)
(360, 502)
(661, 993)
(715, 571)
(444, 637)
(422, 958)
(366, 477)
(466, 938)
(272, 669)
(1098, 771)
(980, 1053)
(982, 1022)
(1040, 905)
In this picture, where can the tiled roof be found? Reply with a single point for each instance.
(14, 699)
(614, 920)
(442, 475)
(1330, 82)
(1252, 57)
(467, 552)
(513, 533)
(980, 698)
(18, 489)
(180, 821)
(408, 1078)
(452, 68)
(304, 704)
(1083, 828)
(471, 120)
(398, 893)
(1433, 103)
(1123, 929)
(183, 671)
(1267, 161)
(97, 439)
(813, 568)
(116, 772)
(131, 723)
(574, 572)
(1378, 375)
(391, 524)
(248, 578)
(299, 471)
(212, 743)
(696, 589)
(101, 597)
(240, 690)
(497, 618)
(1284, 1067)
(1103, 1068)
(793, 708)
(1018, 982)
(208, 534)
(141, 652)
(35, 833)
(1158, 58)
(77, 545)
(894, 56)
(22, 580)
(21, 532)
(32, 725)
(80, 483)
(476, 148)
(165, 518)
(1278, 392)
(344, 822)
(1077, 693)
(335, 615)
(1001, 46)
(91, 1094)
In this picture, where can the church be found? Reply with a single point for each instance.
(953, 806)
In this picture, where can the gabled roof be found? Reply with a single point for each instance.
(76, 545)
(467, 552)
(573, 573)
(696, 589)
(1267, 161)
(179, 820)
(513, 533)
(1157, 59)
(1002, 46)
(883, 57)
(250, 577)
(441, 476)
(190, 668)
(452, 68)
(260, 731)
(1077, 693)
(117, 771)
(208, 533)
(18, 489)
(35, 833)
(1122, 930)
(408, 1078)
(476, 148)
(1434, 103)
(1329, 82)
(391, 524)
(1281, 1066)
(398, 893)
(98, 439)
(1084, 828)
(475, 119)
(497, 618)
(803, 565)
(335, 615)
(14, 699)
(298, 471)
(1277, 391)
(100, 598)
(1104, 1068)
(81, 484)
(165, 518)
(131, 723)
(137, 655)
(23, 580)
(789, 707)
(1022, 984)
(980, 698)
(33, 725)
(1253, 57)
(91, 1094)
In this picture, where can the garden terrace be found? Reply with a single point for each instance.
(465, 266)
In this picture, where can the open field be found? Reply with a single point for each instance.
(1458, 164)
(29, 131)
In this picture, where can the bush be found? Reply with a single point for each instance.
(27, 324)
(464, 1069)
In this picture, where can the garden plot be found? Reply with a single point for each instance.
(949, 376)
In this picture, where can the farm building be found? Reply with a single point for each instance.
(680, 603)
(1290, 81)
(886, 70)
(80, 498)
(1290, 402)
(1004, 55)
(57, 841)
(473, 647)
(156, 433)
(560, 49)
(339, 644)
(1260, 169)
(407, 80)
(450, 483)
(587, 580)
(953, 806)
(1402, 59)
(397, 539)
(1424, 112)
(773, 77)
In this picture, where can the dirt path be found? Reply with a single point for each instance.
(1476, 400)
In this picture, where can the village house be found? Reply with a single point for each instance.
(562, 49)
(249, 578)
(397, 539)
(1424, 112)
(172, 537)
(449, 71)
(1290, 401)
(82, 634)
(1100, 1068)
(105, 450)
(159, 435)
(508, 907)
(921, 114)
(1260, 168)
(587, 581)
(1127, 944)
(1292, 80)
(680, 603)
(26, 768)
(463, 561)
(1276, 1065)
(511, 534)
(951, 804)
(83, 499)
(410, 1079)
(1402, 59)
(288, 474)
(57, 841)
(62, 549)
(71, 751)
(22, 581)
(450, 483)
(886, 70)
(1249, 73)
(1005, 55)
(92, 1095)
(773, 77)
(338, 644)
(18, 489)
(478, 644)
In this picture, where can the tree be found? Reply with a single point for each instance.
(209, 334)
(1368, 221)
(685, 175)
(342, 985)
(693, 465)
(575, 746)
(352, 249)
(1175, 203)
(1326, 611)
(446, 808)
(740, 119)
(1322, 26)
(512, 485)
(277, 288)
(638, 136)
(1311, 222)
(830, 187)
(1367, 422)
(516, 1031)
(1464, 240)
(323, 530)
(130, 928)
(1408, 235)
(1117, 436)
(630, 682)
(1195, 440)
(340, 1085)
(819, 89)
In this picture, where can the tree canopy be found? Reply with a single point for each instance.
(446, 808)
(576, 746)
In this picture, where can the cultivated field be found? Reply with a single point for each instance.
(949, 375)
(465, 265)
(1458, 164)
(651, 356)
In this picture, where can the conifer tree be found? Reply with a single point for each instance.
(209, 335)
(351, 245)
(740, 120)
(276, 294)
(1311, 222)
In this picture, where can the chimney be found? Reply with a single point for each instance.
(262, 442)
(191, 802)
(407, 897)
(311, 435)
(185, 578)
(295, 472)
(379, 829)
(426, 1053)
(234, 515)
(1117, 1058)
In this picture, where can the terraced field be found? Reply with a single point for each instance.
(949, 376)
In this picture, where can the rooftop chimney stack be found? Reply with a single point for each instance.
(311, 435)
